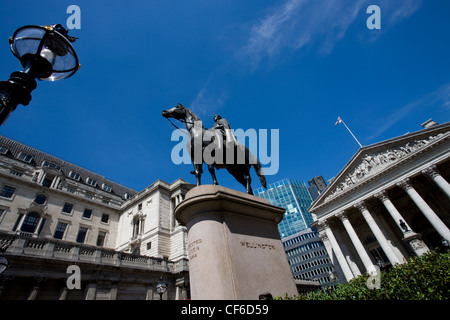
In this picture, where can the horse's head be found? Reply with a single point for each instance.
(178, 112)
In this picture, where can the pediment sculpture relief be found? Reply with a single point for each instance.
(372, 163)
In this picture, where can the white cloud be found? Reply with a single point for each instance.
(297, 23)
(440, 98)
(207, 101)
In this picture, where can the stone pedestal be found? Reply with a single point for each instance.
(235, 251)
(415, 242)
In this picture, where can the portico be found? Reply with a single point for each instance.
(390, 202)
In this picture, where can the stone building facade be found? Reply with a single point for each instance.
(54, 214)
(390, 202)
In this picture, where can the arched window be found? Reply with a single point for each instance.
(136, 226)
(30, 222)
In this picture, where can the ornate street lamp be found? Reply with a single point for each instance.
(3, 260)
(161, 288)
(46, 53)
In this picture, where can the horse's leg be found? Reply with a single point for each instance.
(198, 173)
(198, 170)
(248, 180)
(212, 171)
(198, 167)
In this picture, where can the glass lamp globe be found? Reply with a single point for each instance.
(45, 52)
(3, 262)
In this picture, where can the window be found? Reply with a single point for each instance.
(30, 222)
(51, 165)
(40, 199)
(67, 207)
(3, 149)
(7, 192)
(136, 222)
(105, 218)
(87, 213)
(82, 232)
(60, 229)
(25, 157)
(106, 187)
(2, 211)
(74, 175)
(91, 181)
(101, 238)
(140, 206)
(47, 182)
(149, 245)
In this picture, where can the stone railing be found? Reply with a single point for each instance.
(20, 245)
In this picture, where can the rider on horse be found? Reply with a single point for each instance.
(222, 128)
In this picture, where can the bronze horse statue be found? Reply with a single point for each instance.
(233, 156)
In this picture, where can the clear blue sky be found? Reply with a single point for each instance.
(292, 65)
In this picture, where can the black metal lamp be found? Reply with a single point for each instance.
(46, 53)
(161, 288)
(3, 260)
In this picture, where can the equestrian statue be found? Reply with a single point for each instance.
(217, 147)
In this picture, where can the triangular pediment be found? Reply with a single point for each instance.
(371, 161)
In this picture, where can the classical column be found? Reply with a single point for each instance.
(434, 174)
(36, 288)
(55, 182)
(378, 234)
(412, 238)
(33, 293)
(432, 217)
(338, 252)
(180, 290)
(63, 294)
(38, 226)
(91, 290)
(149, 295)
(356, 242)
(19, 225)
(401, 224)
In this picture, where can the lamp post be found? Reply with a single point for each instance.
(161, 288)
(3, 260)
(45, 53)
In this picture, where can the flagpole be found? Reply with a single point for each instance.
(340, 120)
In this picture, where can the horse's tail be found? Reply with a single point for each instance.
(260, 173)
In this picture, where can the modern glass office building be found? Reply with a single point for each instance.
(308, 257)
(292, 195)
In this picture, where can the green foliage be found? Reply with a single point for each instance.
(422, 278)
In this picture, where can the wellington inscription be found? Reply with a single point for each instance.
(255, 245)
